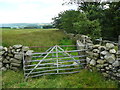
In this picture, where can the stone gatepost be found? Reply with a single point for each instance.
(118, 53)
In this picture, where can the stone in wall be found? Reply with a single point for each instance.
(71, 35)
(12, 57)
(105, 60)
(82, 38)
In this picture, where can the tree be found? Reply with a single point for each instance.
(87, 27)
(65, 20)
(111, 23)
(77, 22)
(108, 17)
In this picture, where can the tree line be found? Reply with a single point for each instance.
(95, 19)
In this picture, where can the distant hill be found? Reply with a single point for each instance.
(23, 25)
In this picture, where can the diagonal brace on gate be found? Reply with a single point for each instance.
(67, 54)
(56, 48)
(40, 62)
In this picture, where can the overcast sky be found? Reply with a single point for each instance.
(30, 11)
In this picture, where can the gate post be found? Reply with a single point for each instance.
(119, 43)
(118, 53)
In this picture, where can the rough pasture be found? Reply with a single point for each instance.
(37, 37)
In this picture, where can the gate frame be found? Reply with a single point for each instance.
(47, 53)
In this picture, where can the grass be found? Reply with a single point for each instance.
(84, 79)
(30, 37)
(38, 37)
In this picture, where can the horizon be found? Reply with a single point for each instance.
(25, 23)
(31, 11)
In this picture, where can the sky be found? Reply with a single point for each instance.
(31, 11)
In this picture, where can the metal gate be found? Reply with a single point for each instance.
(55, 60)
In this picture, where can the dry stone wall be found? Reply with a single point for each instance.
(12, 57)
(106, 59)
(83, 42)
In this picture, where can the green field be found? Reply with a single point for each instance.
(39, 37)
(32, 37)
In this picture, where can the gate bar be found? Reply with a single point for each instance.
(58, 66)
(47, 64)
(52, 46)
(61, 51)
(59, 60)
(53, 70)
(64, 57)
(55, 67)
(55, 73)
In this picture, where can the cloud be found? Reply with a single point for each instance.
(31, 11)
